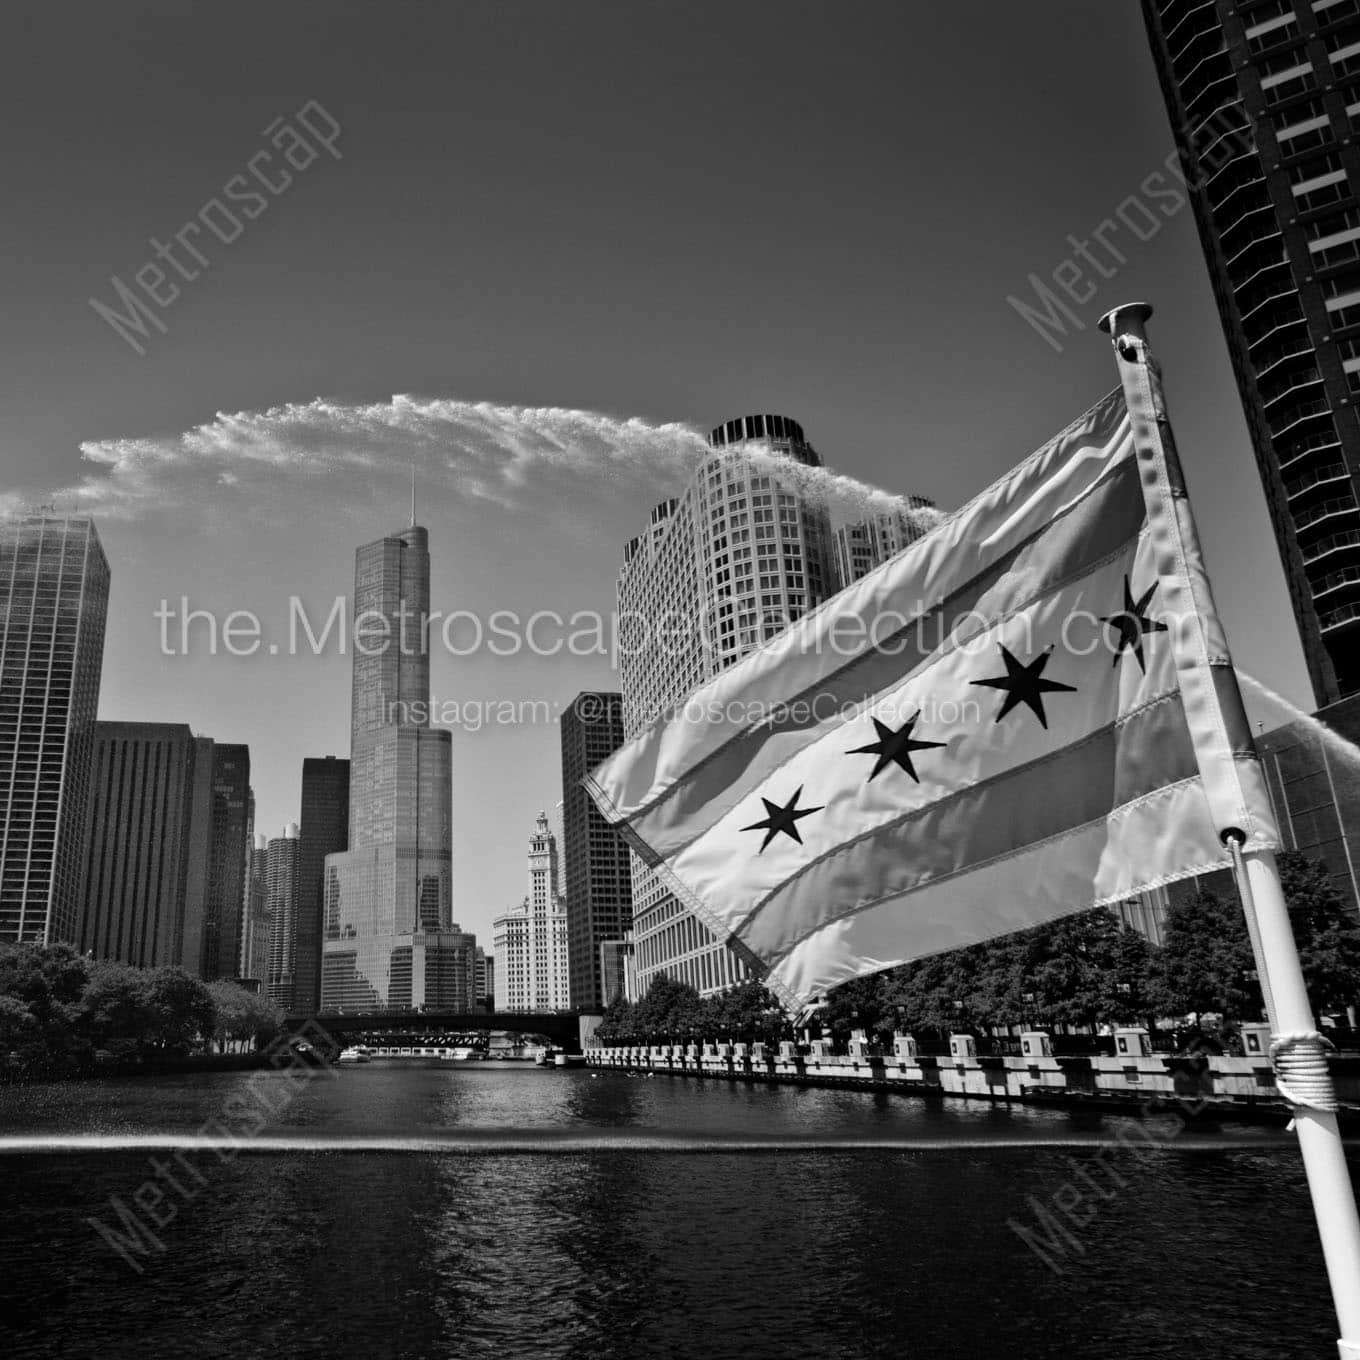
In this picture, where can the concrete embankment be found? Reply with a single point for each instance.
(1237, 1087)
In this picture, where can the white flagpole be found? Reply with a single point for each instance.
(1298, 1051)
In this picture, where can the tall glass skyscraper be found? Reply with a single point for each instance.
(1264, 100)
(54, 595)
(388, 919)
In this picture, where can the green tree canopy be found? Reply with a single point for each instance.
(181, 1008)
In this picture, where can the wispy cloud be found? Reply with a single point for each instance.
(477, 454)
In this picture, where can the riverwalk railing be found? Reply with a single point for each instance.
(1246, 1084)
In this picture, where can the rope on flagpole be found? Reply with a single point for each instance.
(1298, 1058)
(1302, 1058)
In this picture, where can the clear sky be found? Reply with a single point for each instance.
(674, 212)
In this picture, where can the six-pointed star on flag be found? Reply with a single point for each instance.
(783, 819)
(894, 747)
(1023, 684)
(1132, 624)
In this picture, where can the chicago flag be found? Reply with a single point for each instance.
(1013, 719)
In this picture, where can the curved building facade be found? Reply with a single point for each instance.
(721, 569)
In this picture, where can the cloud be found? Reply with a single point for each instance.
(476, 455)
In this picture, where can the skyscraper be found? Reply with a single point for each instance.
(228, 861)
(598, 879)
(255, 932)
(387, 903)
(281, 900)
(54, 594)
(721, 569)
(485, 991)
(146, 851)
(1264, 100)
(324, 831)
(530, 941)
(863, 545)
(200, 850)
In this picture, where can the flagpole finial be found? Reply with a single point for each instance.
(1134, 315)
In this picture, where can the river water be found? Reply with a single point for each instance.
(504, 1210)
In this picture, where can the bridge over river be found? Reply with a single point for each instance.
(434, 1029)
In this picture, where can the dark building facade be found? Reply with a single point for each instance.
(281, 901)
(54, 595)
(598, 878)
(254, 962)
(228, 862)
(1264, 99)
(146, 850)
(324, 831)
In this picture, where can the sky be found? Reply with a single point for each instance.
(548, 245)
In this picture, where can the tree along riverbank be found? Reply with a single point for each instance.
(63, 1015)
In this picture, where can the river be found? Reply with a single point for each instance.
(504, 1210)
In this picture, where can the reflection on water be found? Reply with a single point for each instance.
(460, 1243)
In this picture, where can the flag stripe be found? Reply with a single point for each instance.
(1035, 802)
(1166, 835)
(1100, 526)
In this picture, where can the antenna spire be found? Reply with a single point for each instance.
(413, 493)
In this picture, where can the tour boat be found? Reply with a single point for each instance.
(356, 1054)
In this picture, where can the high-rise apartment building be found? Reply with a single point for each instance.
(867, 543)
(228, 888)
(281, 900)
(530, 941)
(254, 965)
(389, 941)
(324, 831)
(1264, 99)
(722, 568)
(145, 874)
(598, 877)
(54, 594)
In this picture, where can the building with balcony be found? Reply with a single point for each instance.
(1264, 101)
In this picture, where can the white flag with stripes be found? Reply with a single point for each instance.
(985, 733)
